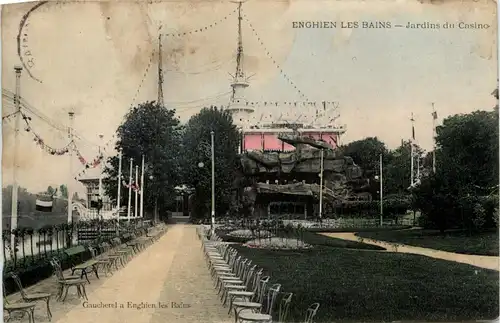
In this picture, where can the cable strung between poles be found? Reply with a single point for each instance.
(280, 69)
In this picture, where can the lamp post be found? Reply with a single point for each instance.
(213, 181)
(155, 215)
(321, 186)
(381, 187)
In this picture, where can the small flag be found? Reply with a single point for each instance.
(44, 203)
(434, 115)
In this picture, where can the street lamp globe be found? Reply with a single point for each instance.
(151, 177)
(376, 177)
(200, 164)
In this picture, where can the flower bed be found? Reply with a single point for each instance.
(250, 234)
(278, 244)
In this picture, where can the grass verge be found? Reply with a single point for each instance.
(362, 285)
(312, 238)
(485, 243)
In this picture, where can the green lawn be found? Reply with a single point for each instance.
(308, 237)
(485, 243)
(365, 285)
(321, 240)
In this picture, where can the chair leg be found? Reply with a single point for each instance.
(59, 292)
(31, 315)
(49, 313)
(84, 292)
(65, 293)
(84, 273)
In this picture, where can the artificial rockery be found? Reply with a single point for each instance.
(295, 177)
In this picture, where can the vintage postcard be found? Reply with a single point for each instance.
(250, 161)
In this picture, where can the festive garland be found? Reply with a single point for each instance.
(135, 187)
(40, 142)
(95, 162)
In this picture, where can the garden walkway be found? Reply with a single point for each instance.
(168, 282)
(487, 262)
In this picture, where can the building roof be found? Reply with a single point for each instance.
(89, 174)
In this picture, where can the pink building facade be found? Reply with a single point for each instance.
(267, 139)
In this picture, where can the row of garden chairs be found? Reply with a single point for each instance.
(243, 287)
(107, 256)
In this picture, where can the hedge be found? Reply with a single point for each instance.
(34, 273)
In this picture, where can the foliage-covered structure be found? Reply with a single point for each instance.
(295, 176)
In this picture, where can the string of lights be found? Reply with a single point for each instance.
(277, 65)
(41, 142)
(202, 29)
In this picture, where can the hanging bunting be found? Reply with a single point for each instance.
(41, 143)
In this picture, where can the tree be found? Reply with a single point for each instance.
(153, 131)
(397, 168)
(196, 151)
(460, 193)
(467, 151)
(50, 191)
(365, 152)
(64, 191)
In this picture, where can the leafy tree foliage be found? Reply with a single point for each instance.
(63, 189)
(467, 154)
(365, 152)
(397, 168)
(196, 152)
(151, 130)
(464, 191)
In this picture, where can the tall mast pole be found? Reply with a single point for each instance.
(212, 155)
(160, 71)
(136, 192)
(130, 189)
(381, 170)
(101, 170)
(15, 186)
(120, 156)
(141, 212)
(434, 116)
(70, 191)
(321, 185)
(411, 152)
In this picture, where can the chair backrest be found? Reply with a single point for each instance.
(271, 298)
(249, 275)
(242, 267)
(261, 289)
(57, 268)
(17, 280)
(5, 301)
(93, 252)
(284, 307)
(311, 312)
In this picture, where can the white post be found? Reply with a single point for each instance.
(418, 167)
(119, 183)
(411, 164)
(15, 186)
(101, 171)
(136, 192)
(70, 192)
(130, 190)
(141, 212)
(433, 139)
(213, 181)
(412, 180)
(321, 185)
(381, 191)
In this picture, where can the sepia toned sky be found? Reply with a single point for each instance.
(91, 57)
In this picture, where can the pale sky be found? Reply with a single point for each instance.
(92, 56)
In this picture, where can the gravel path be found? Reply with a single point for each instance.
(488, 262)
(170, 271)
